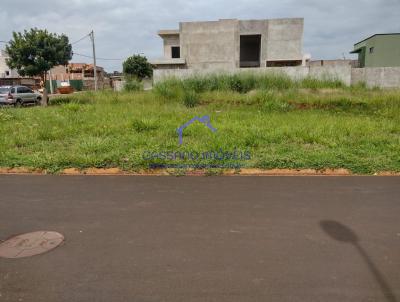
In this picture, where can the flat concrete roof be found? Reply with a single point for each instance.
(245, 20)
(167, 32)
(179, 61)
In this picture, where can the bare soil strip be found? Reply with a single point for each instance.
(195, 172)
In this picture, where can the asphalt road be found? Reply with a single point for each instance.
(204, 238)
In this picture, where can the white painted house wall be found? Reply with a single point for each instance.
(5, 71)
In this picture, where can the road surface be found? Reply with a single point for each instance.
(132, 238)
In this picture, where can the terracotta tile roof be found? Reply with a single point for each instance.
(80, 66)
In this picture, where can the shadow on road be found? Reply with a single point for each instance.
(343, 233)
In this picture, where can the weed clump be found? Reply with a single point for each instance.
(190, 98)
(144, 125)
(168, 89)
(132, 84)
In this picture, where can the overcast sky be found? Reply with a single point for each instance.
(125, 27)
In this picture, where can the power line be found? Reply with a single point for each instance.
(85, 36)
(97, 58)
(78, 54)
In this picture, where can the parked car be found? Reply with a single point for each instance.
(18, 96)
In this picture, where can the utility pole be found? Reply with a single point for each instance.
(51, 82)
(94, 60)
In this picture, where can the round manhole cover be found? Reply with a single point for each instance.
(30, 244)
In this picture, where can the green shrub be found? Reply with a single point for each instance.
(137, 66)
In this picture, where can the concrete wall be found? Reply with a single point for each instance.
(169, 41)
(119, 85)
(209, 43)
(342, 73)
(285, 39)
(385, 77)
(88, 84)
(338, 62)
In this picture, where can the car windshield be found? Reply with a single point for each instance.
(4, 90)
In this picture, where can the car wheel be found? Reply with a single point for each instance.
(18, 103)
(38, 100)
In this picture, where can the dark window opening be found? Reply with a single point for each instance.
(7, 73)
(371, 50)
(175, 52)
(250, 49)
(284, 63)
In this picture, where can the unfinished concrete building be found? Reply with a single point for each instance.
(231, 43)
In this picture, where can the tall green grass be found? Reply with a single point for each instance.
(353, 128)
(241, 83)
(187, 90)
(132, 84)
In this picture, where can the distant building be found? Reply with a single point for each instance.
(232, 43)
(116, 80)
(76, 71)
(5, 71)
(380, 50)
(79, 75)
(11, 77)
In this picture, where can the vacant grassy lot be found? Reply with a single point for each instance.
(271, 122)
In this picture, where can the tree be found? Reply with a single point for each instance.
(137, 66)
(35, 52)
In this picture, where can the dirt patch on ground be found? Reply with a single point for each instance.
(295, 172)
(321, 90)
(199, 172)
(195, 172)
(21, 170)
(388, 173)
(111, 171)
